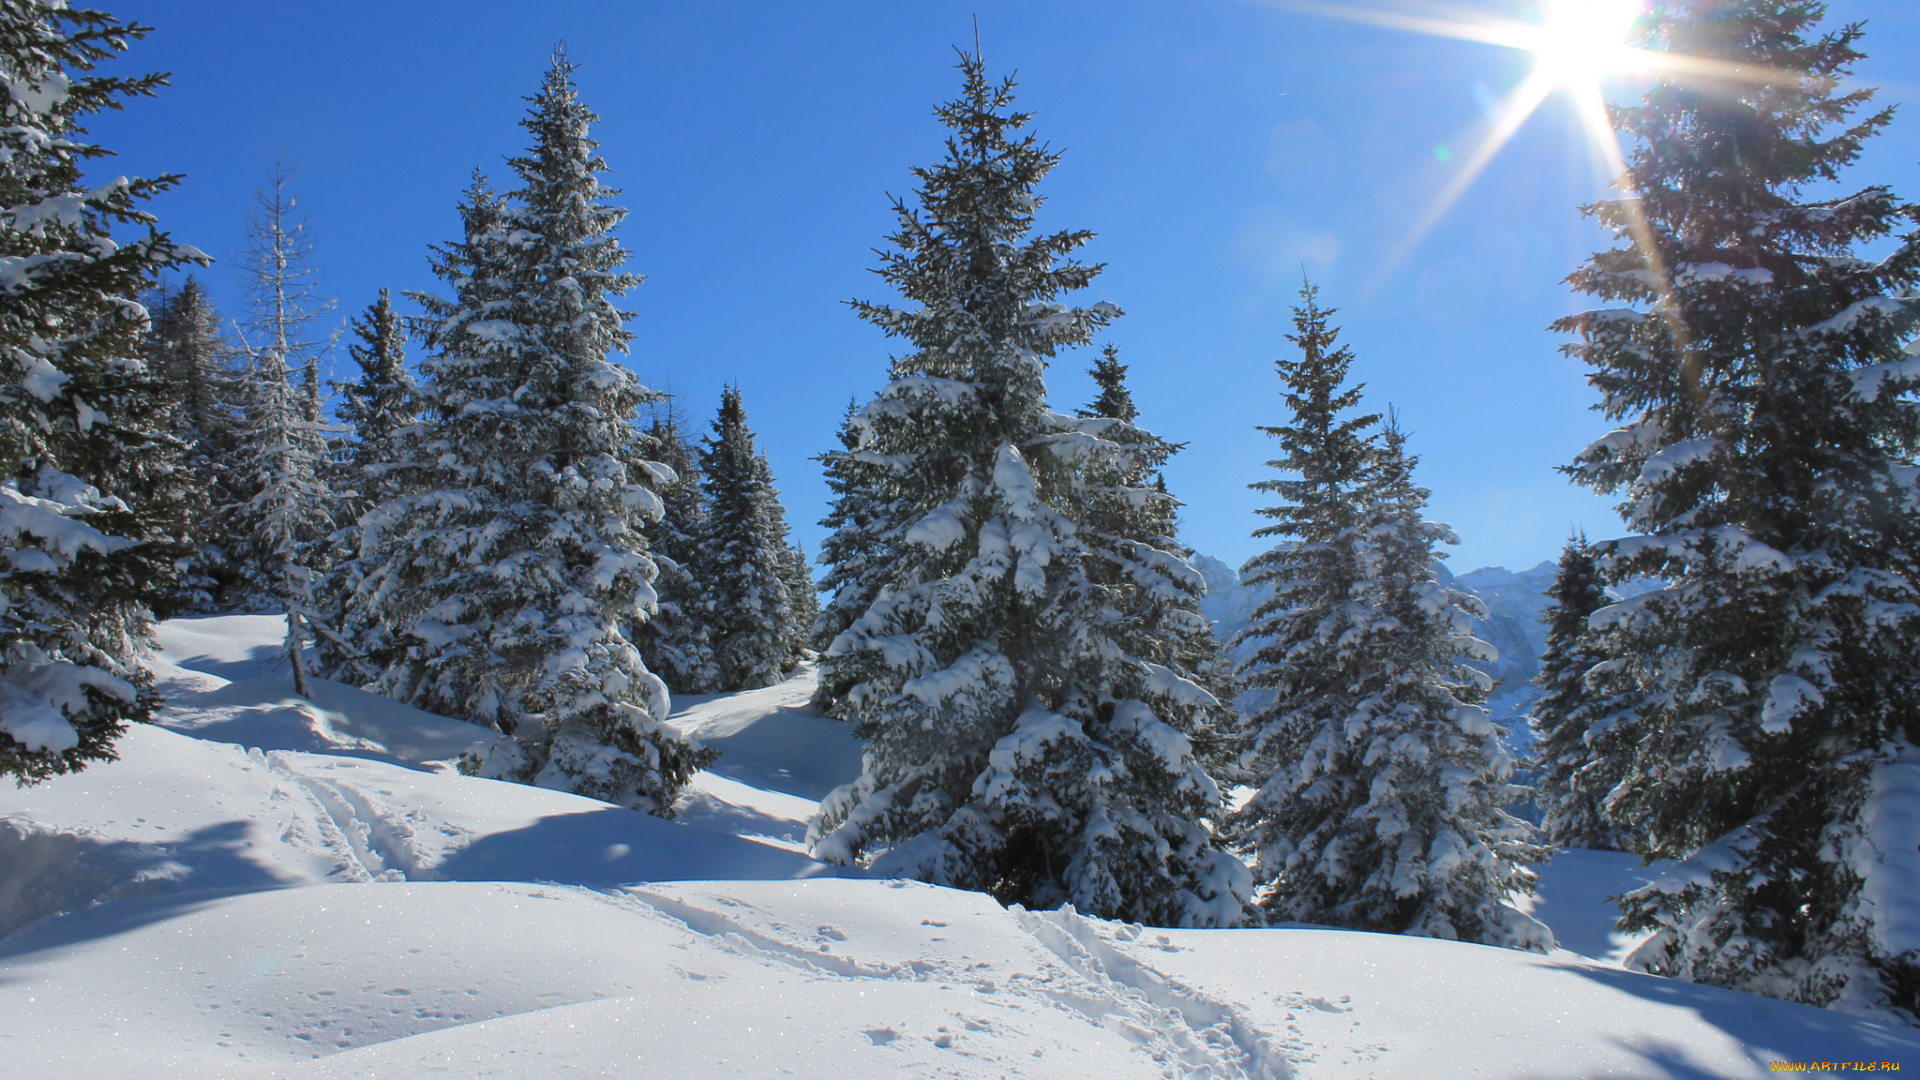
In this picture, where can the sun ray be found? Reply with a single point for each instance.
(1512, 113)
(1707, 69)
(1489, 31)
(1592, 108)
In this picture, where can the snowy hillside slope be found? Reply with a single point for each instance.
(245, 785)
(293, 889)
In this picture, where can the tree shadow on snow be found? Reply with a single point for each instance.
(1574, 897)
(80, 887)
(707, 811)
(334, 719)
(605, 848)
(1768, 1029)
(795, 751)
(260, 660)
(1663, 1060)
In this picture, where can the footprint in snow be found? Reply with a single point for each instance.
(882, 1036)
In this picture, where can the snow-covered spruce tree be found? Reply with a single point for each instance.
(375, 648)
(375, 408)
(1571, 771)
(1763, 372)
(746, 558)
(1382, 785)
(675, 642)
(803, 599)
(82, 558)
(188, 351)
(864, 529)
(1127, 516)
(286, 508)
(501, 589)
(1127, 504)
(1014, 745)
(368, 466)
(1298, 634)
(1110, 375)
(1438, 779)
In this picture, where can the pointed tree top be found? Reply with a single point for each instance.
(732, 411)
(1110, 375)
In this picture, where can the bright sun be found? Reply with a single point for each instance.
(1580, 42)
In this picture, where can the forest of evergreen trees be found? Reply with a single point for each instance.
(496, 521)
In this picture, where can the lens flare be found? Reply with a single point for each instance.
(1577, 45)
(1581, 42)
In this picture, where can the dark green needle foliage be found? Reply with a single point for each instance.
(1762, 374)
(88, 539)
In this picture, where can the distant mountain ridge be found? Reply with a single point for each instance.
(1515, 603)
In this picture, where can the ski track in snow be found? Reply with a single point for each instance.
(1191, 1036)
(372, 839)
(1174, 1022)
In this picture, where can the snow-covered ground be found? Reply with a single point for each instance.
(265, 886)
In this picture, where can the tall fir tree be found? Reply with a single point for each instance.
(746, 558)
(864, 530)
(286, 508)
(1572, 719)
(675, 642)
(378, 412)
(375, 408)
(376, 646)
(1763, 372)
(1326, 452)
(803, 600)
(85, 544)
(502, 589)
(188, 351)
(1381, 781)
(1128, 516)
(1114, 400)
(1013, 744)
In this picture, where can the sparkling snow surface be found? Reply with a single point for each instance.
(271, 887)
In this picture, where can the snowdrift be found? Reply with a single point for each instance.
(266, 886)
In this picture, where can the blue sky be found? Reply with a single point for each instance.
(1216, 147)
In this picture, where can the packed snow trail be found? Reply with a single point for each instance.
(1173, 1023)
(275, 887)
